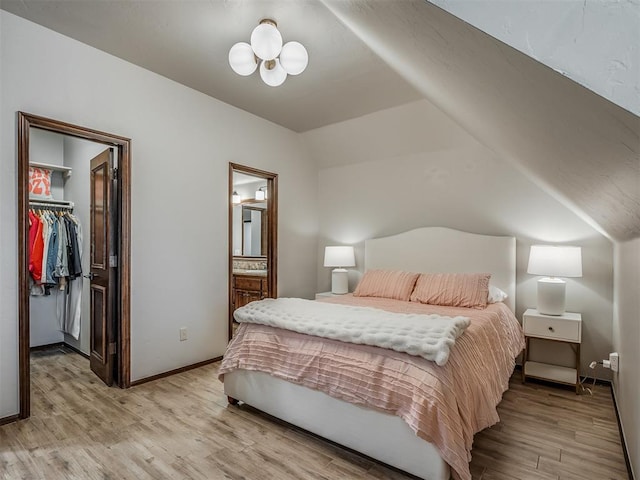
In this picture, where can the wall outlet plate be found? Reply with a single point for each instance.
(614, 359)
(183, 334)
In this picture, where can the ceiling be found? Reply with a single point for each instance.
(577, 146)
(189, 42)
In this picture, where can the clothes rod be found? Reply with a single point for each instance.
(52, 204)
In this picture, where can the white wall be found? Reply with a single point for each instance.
(411, 166)
(182, 143)
(77, 155)
(626, 338)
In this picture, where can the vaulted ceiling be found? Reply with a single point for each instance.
(370, 55)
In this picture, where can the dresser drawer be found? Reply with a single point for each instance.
(552, 328)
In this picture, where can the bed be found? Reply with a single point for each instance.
(434, 450)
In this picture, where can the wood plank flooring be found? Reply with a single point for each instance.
(181, 427)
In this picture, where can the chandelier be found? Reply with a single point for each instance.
(276, 60)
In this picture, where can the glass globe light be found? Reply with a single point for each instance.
(294, 58)
(266, 41)
(242, 59)
(274, 76)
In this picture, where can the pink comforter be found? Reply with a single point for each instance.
(444, 405)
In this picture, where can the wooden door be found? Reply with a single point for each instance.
(102, 269)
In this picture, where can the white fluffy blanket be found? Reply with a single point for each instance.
(427, 336)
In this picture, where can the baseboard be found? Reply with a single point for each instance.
(173, 372)
(48, 346)
(78, 351)
(58, 344)
(625, 450)
(9, 419)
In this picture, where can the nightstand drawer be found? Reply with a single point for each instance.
(552, 328)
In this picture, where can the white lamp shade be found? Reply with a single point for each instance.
(294, 58)
(242, 59)
(555, 261)
(260, 195)
(273, 77)
(339, 257)
(266, 41)
(236, 198)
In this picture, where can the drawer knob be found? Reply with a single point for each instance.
(551, 329)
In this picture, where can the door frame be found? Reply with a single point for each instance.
(272, 232)
(123, 325)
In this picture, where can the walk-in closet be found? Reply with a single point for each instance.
(60, 239)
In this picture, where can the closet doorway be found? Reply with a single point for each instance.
(253, 236)
(106, 227)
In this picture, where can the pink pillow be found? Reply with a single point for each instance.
(386, 284)
(452, 289)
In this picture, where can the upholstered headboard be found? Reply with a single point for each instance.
(439, 249)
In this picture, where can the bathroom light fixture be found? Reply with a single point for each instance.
(553, 262)
(261, 194)
(276, 60)
(236, 198)
(340, 257)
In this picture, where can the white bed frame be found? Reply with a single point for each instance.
(379, 435)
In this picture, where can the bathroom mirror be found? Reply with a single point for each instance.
(251, 232)
(249, 216)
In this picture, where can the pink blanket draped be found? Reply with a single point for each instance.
(444, 405)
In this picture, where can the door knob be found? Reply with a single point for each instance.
(90, 276)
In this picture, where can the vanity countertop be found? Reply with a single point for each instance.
(251, 273)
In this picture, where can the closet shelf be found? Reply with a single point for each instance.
(66, 171)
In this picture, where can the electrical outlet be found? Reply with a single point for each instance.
(614, 359)
(183, 334)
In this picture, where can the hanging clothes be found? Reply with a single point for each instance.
(75, 301)
(75, 266)
(46, 236)
(62, 259)
(35, 265)
(55, 264)
(33, 229)
(52, 252)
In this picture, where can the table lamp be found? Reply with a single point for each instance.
(553, 262)
(339, 257)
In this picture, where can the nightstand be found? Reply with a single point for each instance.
(326, 295)
(565, 328)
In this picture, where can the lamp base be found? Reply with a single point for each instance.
(551, 296)
(339, 281)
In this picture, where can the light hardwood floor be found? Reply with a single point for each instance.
(181, 427)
